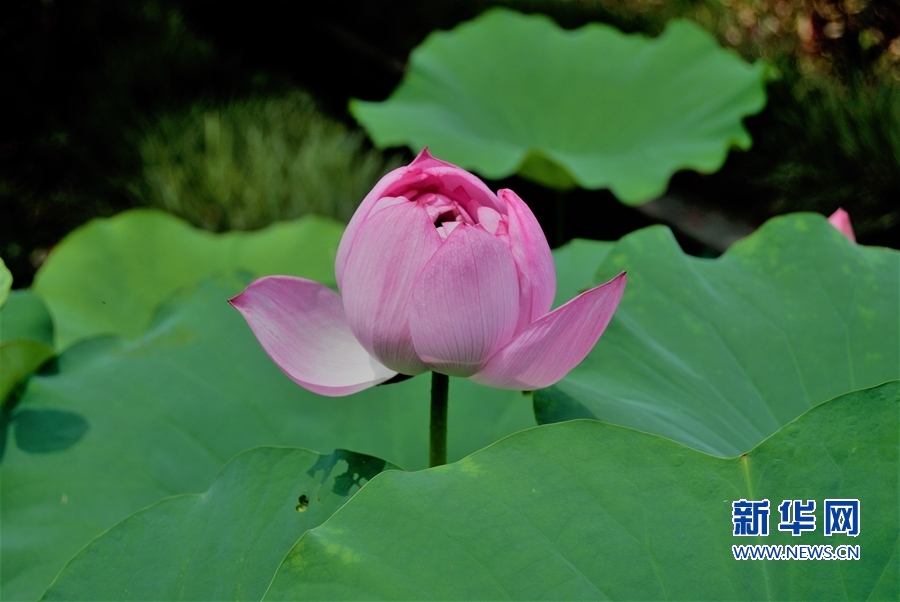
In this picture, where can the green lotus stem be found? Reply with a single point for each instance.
(437, 446)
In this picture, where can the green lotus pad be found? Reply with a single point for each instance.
(586, 510)
(509, 93)
(224, 544)
(117, 425)
(720, 353)
(110, 276)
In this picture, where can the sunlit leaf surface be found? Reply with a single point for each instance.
(110, 276)
(586, 510)
(224, 544)
(720, 353)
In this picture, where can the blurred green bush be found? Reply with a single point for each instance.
(252, 162)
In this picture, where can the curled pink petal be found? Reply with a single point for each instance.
(381, 190)
(465, 303)
(531, 252)
(301, 326)
(550, 347)
(840, 219)
(391, 248)
(424, 173)
(453, 178)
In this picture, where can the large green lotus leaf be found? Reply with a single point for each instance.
(720, 353)
(26, 339)
(224, 544)
(510, 93)
(110, 276)
(122, 424)
(586, 510)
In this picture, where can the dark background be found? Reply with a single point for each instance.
(81, 80)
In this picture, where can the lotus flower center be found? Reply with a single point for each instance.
(448, 212)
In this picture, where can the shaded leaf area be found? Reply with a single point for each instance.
(592, 107)
(163, 413)
(719, 354)
(26, 340)
(109, 276)
(586, 510)
(25, 317)
(224, 544)
(43, 431)
(18, 359)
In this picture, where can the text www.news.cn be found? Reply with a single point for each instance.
(795, 552)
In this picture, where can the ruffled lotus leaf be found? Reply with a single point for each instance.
(719, 354)
(584, 510)
(508, 93)
(575, 511)
(110, 275)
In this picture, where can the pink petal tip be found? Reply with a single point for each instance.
(545, 351)
(840, 219)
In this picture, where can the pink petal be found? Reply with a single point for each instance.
(547, 349)
(391, 248)
(424, 170)
(453, 177)
(425, 161)
(394, 179)
(537, 273)
(301, 325)
(840, 219)
(465, 303)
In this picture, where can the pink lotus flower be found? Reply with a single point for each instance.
(436, 272)
(840, 219)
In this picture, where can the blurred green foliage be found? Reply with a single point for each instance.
(256, 161)
(846, 151)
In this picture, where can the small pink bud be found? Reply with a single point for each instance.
(840, 219)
